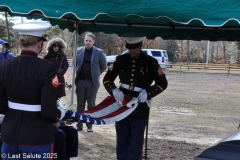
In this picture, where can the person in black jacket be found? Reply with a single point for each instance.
(66, 137)
(136, 72)
(56, 54)
(28, 87)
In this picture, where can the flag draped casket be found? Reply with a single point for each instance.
(108, 111)
(227, 149)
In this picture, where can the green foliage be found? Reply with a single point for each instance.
(103, 41)
(171, 47)
(4, 35)
(238, 45)
(80, 40)
(54, 31)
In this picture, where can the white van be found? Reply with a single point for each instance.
(159, 54)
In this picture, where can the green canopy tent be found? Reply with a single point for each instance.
(182, 19)
(196, 20)
(169, 19)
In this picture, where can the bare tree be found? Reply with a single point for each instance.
(224, 50)
(202, 46)
(188, 54)
(181, 51)
(217, 50)
(212, 49)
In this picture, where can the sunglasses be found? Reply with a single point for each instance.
(55, 45)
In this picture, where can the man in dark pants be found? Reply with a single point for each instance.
(136, 72)
(91, 63)
(66, 142)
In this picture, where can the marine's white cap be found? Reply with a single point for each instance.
(35, 28)
(133, 40)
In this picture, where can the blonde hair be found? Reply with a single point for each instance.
(26, 41)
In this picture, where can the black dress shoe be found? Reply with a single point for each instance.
(89, 130)
(79, 128)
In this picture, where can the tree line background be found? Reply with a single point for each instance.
(187, 51)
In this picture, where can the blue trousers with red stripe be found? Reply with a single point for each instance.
(21, 152)
(130, 139)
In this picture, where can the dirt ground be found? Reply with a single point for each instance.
(193, 113)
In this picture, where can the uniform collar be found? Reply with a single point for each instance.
(141, 54)
(29, 53)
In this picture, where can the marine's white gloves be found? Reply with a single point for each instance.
(118, 95)
(63, 111)
(56, 124)
(1, 118)
(142, 97)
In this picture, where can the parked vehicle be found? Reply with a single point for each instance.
(159, 54)
(110, 59)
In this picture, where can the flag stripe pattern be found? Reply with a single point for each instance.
(106, 112)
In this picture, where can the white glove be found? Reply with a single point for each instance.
(56, 124)
(1, 118)
(142, 97)
(118, 95)
(63, 111)
(133, 102)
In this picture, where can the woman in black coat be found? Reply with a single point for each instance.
(56, 54)
(66, 137)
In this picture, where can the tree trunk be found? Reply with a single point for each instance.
(122, 45)
(191, 55)
(63, 36)
(181, 50)
(212, 51)
(224, 50)
(217, 53)
(188, 58)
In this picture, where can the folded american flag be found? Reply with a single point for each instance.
(106, 112)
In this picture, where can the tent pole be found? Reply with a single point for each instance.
(74, 63)
(208, 48)
(7, 29)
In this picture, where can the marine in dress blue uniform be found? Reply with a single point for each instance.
(137, 71)
(28, 98)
